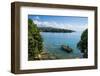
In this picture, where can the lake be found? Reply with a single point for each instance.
(52, 44)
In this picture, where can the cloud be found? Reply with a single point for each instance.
(77, 27)
(59, 25)
(42, 23)
(37, 18)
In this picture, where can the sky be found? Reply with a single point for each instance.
(75, 23)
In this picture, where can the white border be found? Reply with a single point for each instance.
(25, 64)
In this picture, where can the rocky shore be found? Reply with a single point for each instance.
(46, 56)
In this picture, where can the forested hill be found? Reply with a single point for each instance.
(51, 29)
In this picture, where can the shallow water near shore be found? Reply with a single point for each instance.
(52, 44)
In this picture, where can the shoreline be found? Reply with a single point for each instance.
(46, 56)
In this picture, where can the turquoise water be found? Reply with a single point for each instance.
(52, 44)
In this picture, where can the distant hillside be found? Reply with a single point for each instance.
(51, 29)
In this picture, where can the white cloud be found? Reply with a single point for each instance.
(60, 25)
(42, 23)
(77, 27)
(37, 18)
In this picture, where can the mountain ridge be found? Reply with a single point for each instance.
(52, 29)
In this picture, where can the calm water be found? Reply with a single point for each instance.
(53, 41)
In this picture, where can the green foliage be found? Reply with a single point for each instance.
(57, 30)
(83, 43)
(35, 45)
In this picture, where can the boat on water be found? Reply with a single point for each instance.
(66, 48)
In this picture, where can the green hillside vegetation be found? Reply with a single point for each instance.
(83, 43)
(52, 29)
(35, 42)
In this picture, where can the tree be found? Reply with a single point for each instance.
(83, 43)
(35, 43)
